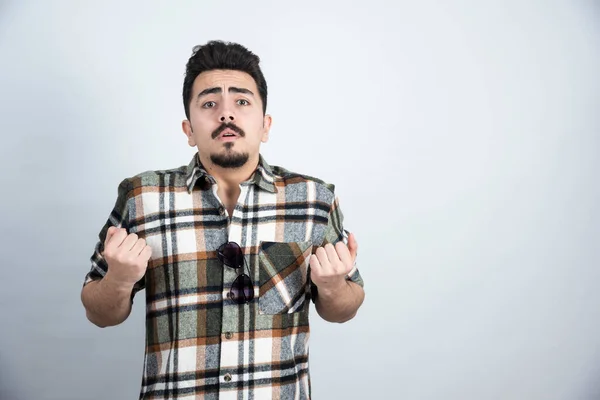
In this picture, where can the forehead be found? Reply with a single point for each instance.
(224, 79)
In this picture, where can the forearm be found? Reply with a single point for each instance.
(339, 305)
(106, 302)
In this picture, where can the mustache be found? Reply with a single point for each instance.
(231, 126)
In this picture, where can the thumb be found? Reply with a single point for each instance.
(110, 233)
(352, 246)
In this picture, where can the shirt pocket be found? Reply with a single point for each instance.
(283, 268)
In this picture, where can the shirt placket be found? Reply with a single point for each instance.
(233, 352)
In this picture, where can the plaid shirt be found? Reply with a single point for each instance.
(199, 343)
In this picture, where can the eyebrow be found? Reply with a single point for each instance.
(232, 89)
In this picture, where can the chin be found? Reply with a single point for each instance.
(230, 159)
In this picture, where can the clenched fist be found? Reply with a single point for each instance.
(127, 256)
(330, 264)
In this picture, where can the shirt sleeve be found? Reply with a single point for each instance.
(334, 233)
(118, 217)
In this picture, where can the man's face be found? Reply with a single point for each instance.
(226, 123)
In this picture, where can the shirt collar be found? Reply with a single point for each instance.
(263, 177)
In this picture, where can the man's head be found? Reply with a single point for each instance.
(225, 100)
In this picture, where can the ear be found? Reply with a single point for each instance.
(187, 129)
(267, 120)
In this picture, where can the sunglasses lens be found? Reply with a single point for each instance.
(230, 254)
(242, 290)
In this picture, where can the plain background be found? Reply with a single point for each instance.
(462, 136)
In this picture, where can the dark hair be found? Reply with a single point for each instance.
(218, 54)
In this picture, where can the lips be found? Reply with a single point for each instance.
(227, 133)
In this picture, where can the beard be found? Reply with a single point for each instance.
(229, 158)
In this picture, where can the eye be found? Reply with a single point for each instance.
(243, 102)
(209, 104)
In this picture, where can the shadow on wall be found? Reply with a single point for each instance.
(9, 384)
(5, 8)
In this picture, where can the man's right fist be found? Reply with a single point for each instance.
(127, 256)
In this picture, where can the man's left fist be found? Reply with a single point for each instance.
(330, 265)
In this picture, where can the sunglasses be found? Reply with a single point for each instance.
(242, 289)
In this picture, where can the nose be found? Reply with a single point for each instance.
(227, 117)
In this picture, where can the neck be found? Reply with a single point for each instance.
(230, 177)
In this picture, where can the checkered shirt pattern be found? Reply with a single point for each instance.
(200, 344)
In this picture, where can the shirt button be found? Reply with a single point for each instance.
(230, 295)
(228, 335)
(227, 377)
(221, 210)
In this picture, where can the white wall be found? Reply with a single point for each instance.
(463, 138)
